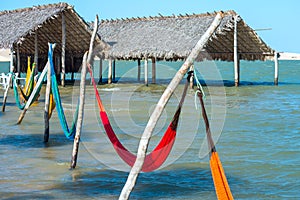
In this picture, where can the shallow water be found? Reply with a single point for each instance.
(256, 127)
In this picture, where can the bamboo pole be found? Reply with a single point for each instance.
(72, 65)
(236, 54)
(82, 95)
(146, 71)
(39, 82)
(139, 70)
(276, 68)
(47, 100)
(143, 145)
(63, 50)
(9, 79)
(153, 70)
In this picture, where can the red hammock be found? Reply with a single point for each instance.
(155, 158)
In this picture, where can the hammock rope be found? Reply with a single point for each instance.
(69, 133)
(220, 181)
(157, 157)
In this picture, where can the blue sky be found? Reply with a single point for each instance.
(282, 16)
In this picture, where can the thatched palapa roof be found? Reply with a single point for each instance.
(173, 37)
(20, 26)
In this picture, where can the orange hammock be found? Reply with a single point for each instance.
(220, 181)
(157, 157)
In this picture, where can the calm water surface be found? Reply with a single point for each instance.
(256, 125)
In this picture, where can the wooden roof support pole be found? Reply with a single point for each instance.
(143, 145)
(72, 65)
(9, 78)
(109, 76)
(87, 59)
(153, 71)
(36, 51)
(114, 70)
(63, 49)
(146, 71)
(100, 70)
(192, 77)
(139, 70)
(276, 68)
(236, 54)
(18, 61)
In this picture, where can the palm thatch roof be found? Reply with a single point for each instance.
(18, 27)
(173, 37)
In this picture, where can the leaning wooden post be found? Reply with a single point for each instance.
(153, 70)
(63, 49)
(47, 100)
(143, 145)
(82, 95)
(9, 78)
(276, 68)
(236, 54)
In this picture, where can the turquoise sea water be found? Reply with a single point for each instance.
(256, 127)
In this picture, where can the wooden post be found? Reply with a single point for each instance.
(146, 71)
(58, 64)
(153, 71)
(36, 52)
(63, 49)
(72, 63)
(9, 78)
(47, 100)
(114, 70)
(100, 70)
(276, 68)
(109, 71)
(18, 61)
(236, 55)
(143, 145)
(139, 70)
(82, 95)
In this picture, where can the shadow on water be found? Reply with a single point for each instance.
(176, 182)
(34, 140)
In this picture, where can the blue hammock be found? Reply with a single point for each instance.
(69, 133)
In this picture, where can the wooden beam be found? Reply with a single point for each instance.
(47, 102)
(236, 55)
(18, 61)
(72, 65)
(153, 70)
(63, 49)
(276, 68)
(146, 71)
(109, 76)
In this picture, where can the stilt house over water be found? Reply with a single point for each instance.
(172, 38)
(27, 32)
